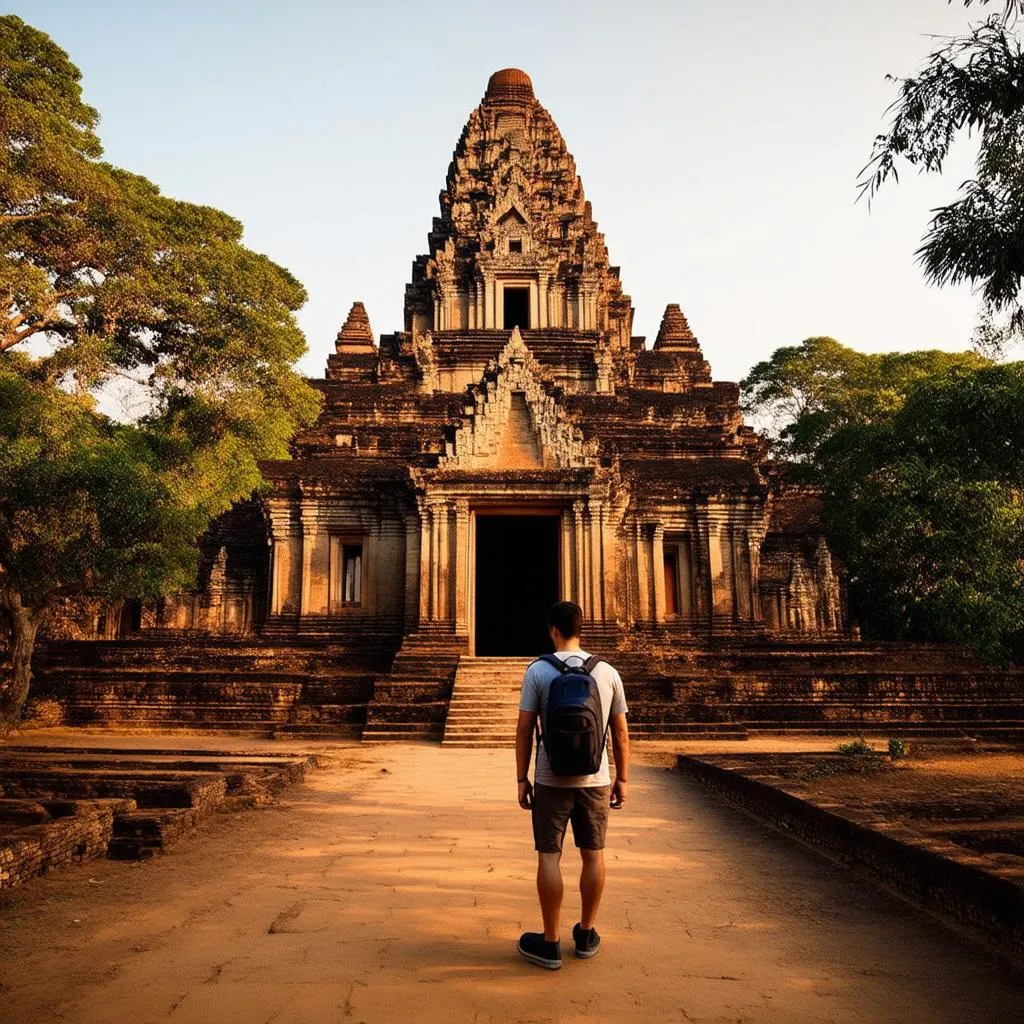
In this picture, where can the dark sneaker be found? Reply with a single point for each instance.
(537, 949)
(588, 942)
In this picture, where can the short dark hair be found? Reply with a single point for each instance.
(567, 618)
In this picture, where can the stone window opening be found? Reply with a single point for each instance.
(351, 573)
(671, 584)
(346, 573)
(678, 569)
(515, 245)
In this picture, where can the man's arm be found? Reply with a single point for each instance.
(620, 749)
(524, 748)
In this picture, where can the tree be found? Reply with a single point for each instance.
(927, 511)
(973, 85)
(112, 281)
(807, 392)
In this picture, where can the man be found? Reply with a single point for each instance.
(555, 800)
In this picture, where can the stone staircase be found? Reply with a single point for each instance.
(485, 702)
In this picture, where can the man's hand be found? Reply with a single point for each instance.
(525, 795)
(619, 791)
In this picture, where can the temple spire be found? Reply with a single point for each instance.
(356, 335)
(674, 332)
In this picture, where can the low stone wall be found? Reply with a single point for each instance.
(931, 874)
(71, 832)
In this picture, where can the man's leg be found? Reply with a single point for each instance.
(591, 885)
(549, 889)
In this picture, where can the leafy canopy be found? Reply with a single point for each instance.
(113, 281)
(927, 509)
(972, 85)
(920, 460)
(805, 393)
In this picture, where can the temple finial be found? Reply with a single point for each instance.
(356, 335)
(675, 330)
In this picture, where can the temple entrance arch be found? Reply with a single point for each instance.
(517, 578)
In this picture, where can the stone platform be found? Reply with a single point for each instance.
(62, 805)
(432, 689)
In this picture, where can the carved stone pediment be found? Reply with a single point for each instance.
(515, 423)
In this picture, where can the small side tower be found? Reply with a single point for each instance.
(355, 354)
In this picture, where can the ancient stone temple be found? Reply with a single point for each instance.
(516, 443)
(513, 444)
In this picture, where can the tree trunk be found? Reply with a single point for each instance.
(16, 662)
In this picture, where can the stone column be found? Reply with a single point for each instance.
(566, 575)
(577, 513)
(371, 567)
(720, 564)
(688, 604)
(490, 302)
(596, 563)
(543, 312)
(412, 560)
(643, 610)
(445, 588)
(658, 570)
(609, 565)
(462, 563)
(315, 563)
(426, 558)
(534, 304)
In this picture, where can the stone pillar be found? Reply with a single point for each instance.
(720, 563)
(426, 557)
(643, 611)
(462, 562)
(566, 575)
(315, 564)
(741, 574)
(687, 604)
(534, 304)
(371, 568)
(596, 563)
(577, 533)
(658, 571)
(608, 566)
(543, 312)
(490, 302)
(412, 561)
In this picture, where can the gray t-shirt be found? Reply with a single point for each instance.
(534, 697)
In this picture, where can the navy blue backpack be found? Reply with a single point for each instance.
(573, 726)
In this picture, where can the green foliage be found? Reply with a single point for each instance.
(85, 504)
(927, 512)
(809, 391)
(897, 749)
(972, 85)
(118, 282)
(856, 748)
(920, 460)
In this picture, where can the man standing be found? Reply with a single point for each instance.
(555, 800)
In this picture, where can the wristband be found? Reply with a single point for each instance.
(521, 781)
(617, 779)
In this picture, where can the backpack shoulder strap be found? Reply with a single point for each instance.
(591, 663)
(553, 661)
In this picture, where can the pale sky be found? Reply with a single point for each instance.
(719, 143)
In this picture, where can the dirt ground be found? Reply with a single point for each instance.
(973, 800)
(392, 885)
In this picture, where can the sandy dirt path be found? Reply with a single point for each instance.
(392, 886)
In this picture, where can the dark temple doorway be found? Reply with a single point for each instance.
(517, 308)
(516, 583)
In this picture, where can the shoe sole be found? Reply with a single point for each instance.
(540, 961)
(587, 954)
